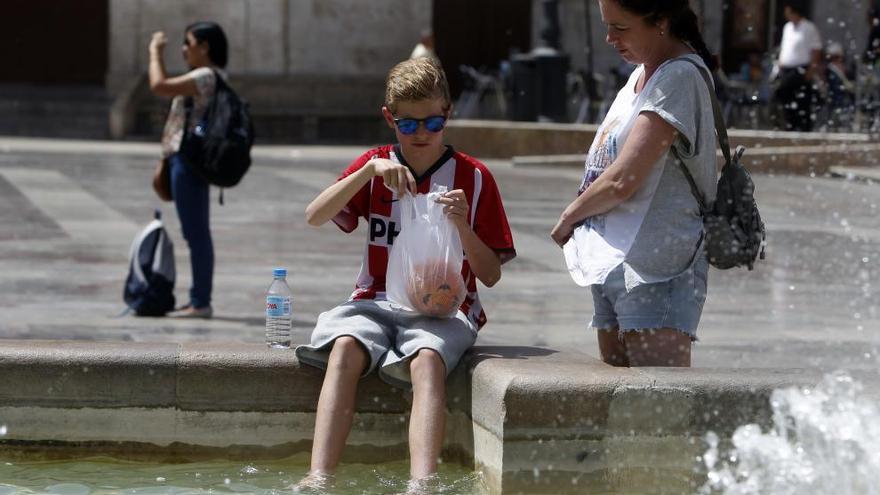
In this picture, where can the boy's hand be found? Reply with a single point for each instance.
(456, 207)
(396, 176)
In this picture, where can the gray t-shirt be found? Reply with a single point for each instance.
(657, 232)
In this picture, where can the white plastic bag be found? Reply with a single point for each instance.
(424, 266)
(573, 251)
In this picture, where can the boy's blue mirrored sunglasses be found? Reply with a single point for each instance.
(434, 123)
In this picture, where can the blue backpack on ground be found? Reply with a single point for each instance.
(149, 288)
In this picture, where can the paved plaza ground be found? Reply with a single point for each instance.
(69, 211)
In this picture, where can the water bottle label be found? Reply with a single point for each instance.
(277, 306)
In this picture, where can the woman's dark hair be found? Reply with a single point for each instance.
(682, 22)
(797, 7)
(212, 34)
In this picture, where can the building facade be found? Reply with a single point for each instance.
(313, 67)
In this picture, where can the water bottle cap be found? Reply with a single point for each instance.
(279, 272)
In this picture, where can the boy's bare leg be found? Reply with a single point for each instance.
(427, 423)
(335, 412)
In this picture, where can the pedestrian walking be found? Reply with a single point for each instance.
(205, 51)
(800, 55)
(636, 225)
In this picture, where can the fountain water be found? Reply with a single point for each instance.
(823, 440)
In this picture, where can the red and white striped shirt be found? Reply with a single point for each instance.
(377, 205)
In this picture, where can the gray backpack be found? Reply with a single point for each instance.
(734, 232)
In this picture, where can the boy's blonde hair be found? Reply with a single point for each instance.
(415, 80)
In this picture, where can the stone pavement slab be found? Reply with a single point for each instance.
(69, 210)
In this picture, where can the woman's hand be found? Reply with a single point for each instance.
(456, 207)
(562, 231)
(396, 176)
(157, 43)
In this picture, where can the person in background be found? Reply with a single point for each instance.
(752, 70)
(205, 51)
(872, 49)
(635, 225)
(800, 56)
(756, 75)
(425, 46)
(839, 85)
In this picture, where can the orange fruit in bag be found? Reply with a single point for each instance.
(435, 289)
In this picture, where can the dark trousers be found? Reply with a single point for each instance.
(796, 94)
(192, 201)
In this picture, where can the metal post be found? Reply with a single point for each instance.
(771, 26)
(550, 32)
(589, 36)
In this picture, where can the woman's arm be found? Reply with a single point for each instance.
(160, 83)
(649, 140)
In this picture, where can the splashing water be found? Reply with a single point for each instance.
(823, 440)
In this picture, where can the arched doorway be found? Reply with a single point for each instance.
(54, 42)
(479, 33)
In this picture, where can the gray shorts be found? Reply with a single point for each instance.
(676, 303)
(391, 336)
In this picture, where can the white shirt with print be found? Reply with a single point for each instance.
(658, 231)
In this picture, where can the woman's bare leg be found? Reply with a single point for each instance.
(613, 350)
(660, 347)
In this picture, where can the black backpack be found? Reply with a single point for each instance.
(734, 232)
(218, 148)
(149, 288)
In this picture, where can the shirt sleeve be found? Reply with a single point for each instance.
(814, 40)
(490, 220)
(676, 96)
(359, 205)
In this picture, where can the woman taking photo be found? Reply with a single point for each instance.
(205, 52)
(636, 225)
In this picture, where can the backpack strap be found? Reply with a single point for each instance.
(188, 107)
(219, 82)
(720, 131)
(189, 102)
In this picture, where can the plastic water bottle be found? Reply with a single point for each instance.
(278, 310)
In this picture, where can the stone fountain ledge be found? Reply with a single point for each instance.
(859, 159)
(533, 419)
(506, 139)
(548, 144)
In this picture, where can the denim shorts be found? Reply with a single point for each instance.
(676, 303)
(391, 336)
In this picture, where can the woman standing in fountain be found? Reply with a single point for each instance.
(205, 51)
(635, 228)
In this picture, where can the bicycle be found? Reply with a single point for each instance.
(470, 103)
